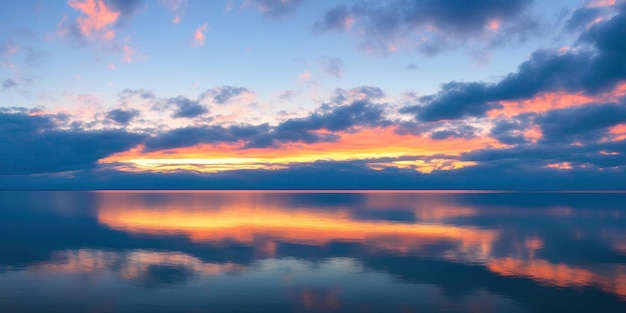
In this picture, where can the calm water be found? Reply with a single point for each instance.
(312, 252)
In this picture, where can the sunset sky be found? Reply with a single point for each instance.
(297, 94)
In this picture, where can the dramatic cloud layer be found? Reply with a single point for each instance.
(283, 101)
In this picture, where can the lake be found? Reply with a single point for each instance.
(179, 251)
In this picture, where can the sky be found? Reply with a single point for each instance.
(303, 94)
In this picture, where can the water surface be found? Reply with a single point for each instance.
(312, 252)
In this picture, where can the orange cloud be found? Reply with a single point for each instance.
(556, 100)
(367, 143)
(98, 19)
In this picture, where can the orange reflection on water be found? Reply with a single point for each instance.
(561, 275)
(261, 222)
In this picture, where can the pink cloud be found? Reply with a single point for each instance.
(199, 35)
(127, 53)
(97, 20)
(306, 75)
(178, 7)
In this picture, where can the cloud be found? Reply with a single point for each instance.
(511, 131)
(328, 120)
(97, 19)
(199, 35)
(455, 131)
(582, 18)
(581, 123)
(32, 144)
(411, 67)
(590, 69)
(331, 119)
(225, 94)
(190, 136)
(127, 53)
(332, 66)
(98, 22)
(369, 93)
(276, 8)
(430, 26)
(9, 83)
(305, 76)
(454, 101)
(177, 7)
(122, 116)
(186, 108)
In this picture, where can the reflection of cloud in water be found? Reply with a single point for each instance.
(611, 279)
(150, 268)
(264, 222)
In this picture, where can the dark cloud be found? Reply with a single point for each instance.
(223, 94)
(581, 123)
(126, 8)
(383, 23)
(369, 93)
(32, 144)
(581, 18)
(332, 66)
(455, 131)
(510, 131)
(277, 8)
(186, 108)
(596, 69)
(333, 119)
(336, 18)
(454, 101)
(589, 157)
(190, 136)
(9, 83)
(122, 116)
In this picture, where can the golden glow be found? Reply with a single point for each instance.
(362, 145)
(424, 166)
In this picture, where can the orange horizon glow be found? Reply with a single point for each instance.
(363, 144)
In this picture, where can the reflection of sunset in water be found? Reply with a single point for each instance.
(562, 275)
(254, 220)
(265, 221)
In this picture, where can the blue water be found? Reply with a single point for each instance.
(312, 252)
